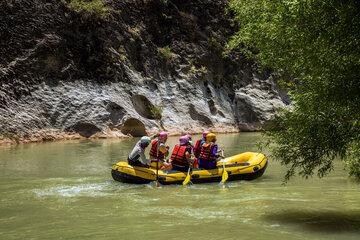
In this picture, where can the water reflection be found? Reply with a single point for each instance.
(319, 221)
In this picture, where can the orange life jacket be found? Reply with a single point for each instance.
(206, 152)
(178, 155)
(197, 149)
(154, 152)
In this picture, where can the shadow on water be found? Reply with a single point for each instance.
(319, 221)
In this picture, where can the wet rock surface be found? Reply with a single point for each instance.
(67, 74)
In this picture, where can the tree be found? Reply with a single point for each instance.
(315, 46)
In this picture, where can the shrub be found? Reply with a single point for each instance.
(94, 7)
(166, 52)
(156, 111)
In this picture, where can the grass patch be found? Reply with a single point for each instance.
(94, 7)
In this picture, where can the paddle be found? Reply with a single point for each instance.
(187, 179)
(225, 174)
(157, 164)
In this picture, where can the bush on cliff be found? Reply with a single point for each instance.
(156, 111)
(94, 7)
(166, 52)
(315, 45)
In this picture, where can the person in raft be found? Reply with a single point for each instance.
(208, 155)
(159, 151)
(139, 152)
(181, 155)
(199, 143)
(190, 141)
(192, 153)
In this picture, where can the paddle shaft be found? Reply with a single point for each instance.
(157, 164)
(225, 175)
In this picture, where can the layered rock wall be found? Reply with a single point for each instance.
(137, 68)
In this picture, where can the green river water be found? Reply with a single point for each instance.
(64, 190)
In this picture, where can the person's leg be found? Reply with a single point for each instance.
(153, 164)
(166, 166)
(203, 163)
(136, 163)
(178, 168)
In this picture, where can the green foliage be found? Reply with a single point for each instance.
(156, 111)
(353, 159)
(215, 45)
(12, 137)
(94, 7)
(166, 52)
(315, 45)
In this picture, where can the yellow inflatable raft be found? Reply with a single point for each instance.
(245, 166)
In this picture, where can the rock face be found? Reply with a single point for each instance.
(130, 68)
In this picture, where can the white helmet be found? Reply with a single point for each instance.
(145, 139)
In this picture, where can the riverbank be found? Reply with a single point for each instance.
(57, 136)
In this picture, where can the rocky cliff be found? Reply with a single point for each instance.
(112, 68)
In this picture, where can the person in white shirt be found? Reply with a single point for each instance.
(139, 152)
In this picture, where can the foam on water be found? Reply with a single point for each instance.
(94, 189)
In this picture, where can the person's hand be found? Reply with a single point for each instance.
(167, 147)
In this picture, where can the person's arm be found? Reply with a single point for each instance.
(134, 153)
(214, 151)
(164, 149)
(154, 136)
(143, 157)
(188, 158)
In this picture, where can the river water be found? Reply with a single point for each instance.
(64, 190)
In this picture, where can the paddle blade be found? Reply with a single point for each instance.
(187, 179)
(225, 176)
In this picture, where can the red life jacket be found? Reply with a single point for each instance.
(154, 152)
(206, 153)
(178, 155)
(197, 149)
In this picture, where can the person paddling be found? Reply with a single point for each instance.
(192, 153)
(159, 151)
(181, 155)
(199, 143)
(208, 155)
(139, 152)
